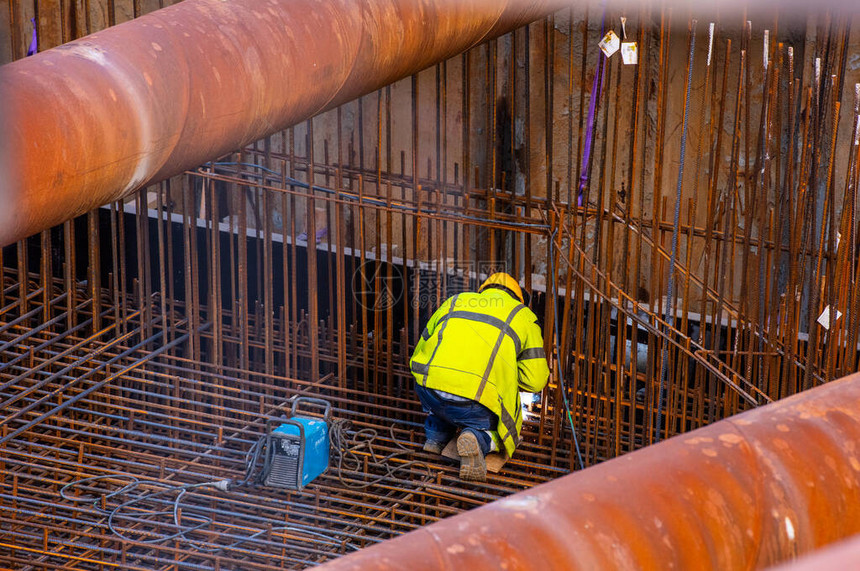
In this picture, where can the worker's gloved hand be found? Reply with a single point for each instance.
(530, 402)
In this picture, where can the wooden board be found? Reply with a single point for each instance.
(98, 15)
(21, 11)
(7, 38)
(50, 24)
(123, 11)
(495, 461)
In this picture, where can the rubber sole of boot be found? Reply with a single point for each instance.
(473, 467)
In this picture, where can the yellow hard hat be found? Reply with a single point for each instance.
(503, 281)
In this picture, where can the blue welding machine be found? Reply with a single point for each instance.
(297, 451)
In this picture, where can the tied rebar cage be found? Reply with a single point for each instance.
(147, 343)
(141, 391)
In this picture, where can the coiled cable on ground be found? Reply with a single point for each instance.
(353, 453)
(180, 520)
(352, 447)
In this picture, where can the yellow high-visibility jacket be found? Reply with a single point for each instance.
(487, 347)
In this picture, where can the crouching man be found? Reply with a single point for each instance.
(475, 355)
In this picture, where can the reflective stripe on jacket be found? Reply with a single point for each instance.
(487, 347)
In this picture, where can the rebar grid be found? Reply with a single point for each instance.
(154, 337)
(170, 420)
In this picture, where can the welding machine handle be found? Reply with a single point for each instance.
(323, 403)
(271, 424)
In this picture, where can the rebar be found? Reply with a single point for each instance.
(151, 339)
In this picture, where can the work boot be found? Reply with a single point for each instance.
(473, 467)
(433, 447)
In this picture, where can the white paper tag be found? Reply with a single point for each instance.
(824, 318)
(629, 53)
(609, 44)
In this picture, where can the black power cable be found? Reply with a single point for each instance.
(349, 449)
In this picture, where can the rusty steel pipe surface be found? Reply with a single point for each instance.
(92, 120)
(746, 492)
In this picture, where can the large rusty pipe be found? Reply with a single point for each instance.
(745, 492)
(92, 120)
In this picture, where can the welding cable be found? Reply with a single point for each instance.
(346, 445)
(82, 545)
(97, 501)
(202, 546)
(252, 457)
(133, 484)
(558, 352)
(377, 202)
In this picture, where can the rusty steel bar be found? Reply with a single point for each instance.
(748, 491)
(189, 414)
(354, 517)
(92, 120)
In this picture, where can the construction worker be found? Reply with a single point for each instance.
(475, 355)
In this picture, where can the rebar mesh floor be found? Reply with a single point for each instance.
(125, 408)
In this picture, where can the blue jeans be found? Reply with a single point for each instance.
(447, 416)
